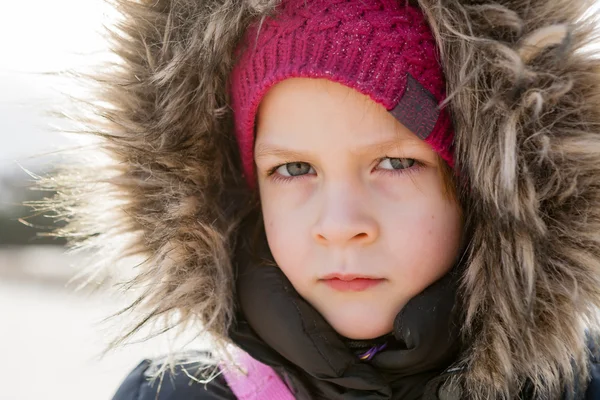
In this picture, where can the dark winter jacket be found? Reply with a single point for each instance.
(137, 386)
(515, 316)
(425, 325)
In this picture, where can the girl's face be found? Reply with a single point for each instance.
(354, 205)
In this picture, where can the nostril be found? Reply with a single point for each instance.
(321, 238)
(346, 229)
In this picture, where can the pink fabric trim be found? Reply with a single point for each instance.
(259, 383)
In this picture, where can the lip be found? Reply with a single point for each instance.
(351, 282)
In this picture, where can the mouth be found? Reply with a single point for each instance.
(350, 283)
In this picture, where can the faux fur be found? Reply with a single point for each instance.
(524, 93)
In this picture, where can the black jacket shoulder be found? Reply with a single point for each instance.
(179, 386)
(593, 390)
(175, 386)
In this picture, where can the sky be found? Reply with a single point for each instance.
(41, 36)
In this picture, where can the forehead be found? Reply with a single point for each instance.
(304, 108)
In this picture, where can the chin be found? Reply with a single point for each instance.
(360, 327)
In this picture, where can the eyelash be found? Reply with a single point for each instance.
(278, 178)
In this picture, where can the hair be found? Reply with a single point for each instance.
(449, 179)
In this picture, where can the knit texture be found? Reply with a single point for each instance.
(376, 47)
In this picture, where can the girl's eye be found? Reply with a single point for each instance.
(294, 169)
(396, 163)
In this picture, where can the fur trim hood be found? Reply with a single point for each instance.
(524, 95)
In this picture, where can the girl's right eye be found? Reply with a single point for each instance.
(294, 169)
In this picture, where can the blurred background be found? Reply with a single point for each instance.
(51, 336)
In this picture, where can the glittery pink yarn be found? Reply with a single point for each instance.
(371, 46)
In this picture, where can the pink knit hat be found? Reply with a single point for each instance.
(382, 48)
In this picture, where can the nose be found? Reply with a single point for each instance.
(345, 217)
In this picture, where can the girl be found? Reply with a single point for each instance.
(367, 199)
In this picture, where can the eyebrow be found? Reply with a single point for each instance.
(387, 145)
(265, 150)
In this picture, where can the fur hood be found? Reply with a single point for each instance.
(524, 94)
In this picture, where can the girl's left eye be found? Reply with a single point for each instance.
(396, 163)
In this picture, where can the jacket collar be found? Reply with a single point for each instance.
(285, 329)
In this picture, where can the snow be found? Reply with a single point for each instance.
(51, 337)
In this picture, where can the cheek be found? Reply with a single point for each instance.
(440, 230)
(424, 236)
(274, 228)
(286, 233)
(271, 211)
